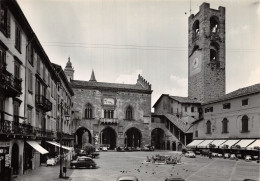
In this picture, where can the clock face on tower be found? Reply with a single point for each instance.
(195, 63)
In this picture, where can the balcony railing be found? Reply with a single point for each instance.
(40, 132)
(10, 85)
(11, 127)
(108, 121)
(43, 103)
(64, 135)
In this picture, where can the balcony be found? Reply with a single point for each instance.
(65, 136)
(43, 103)
(11, 127)
(108, 121)
(10, 85)
(40, 132)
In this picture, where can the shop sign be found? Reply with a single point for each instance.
(7, 160)
(4, 143)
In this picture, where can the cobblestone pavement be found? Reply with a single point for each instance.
(113, 164)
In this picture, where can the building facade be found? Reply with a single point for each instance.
(111, 114)
(28, 95)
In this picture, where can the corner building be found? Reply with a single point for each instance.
(110, 113)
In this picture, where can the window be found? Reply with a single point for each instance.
(208, 109)
(38, 64)
(17, 69)
(38, 118)
(16, 105)
(51, 89)
(49, 78)
(129, 113)
(208, 124)
(18, 38)
(245, 124)
(29, 114)
(4, 21)
(192, 109)
(109, 114)
(226, 106)
(196, 133)
(2, 57)
(214, 24)
(225, 125)
(30, 54)
(88, 111)
(244, 102)
(44, 72)
(196, 30)
(30, 81)
(186, 108)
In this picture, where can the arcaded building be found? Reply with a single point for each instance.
(110, 113)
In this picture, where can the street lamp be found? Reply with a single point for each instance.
(67, 117)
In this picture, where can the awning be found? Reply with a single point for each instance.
(229, 143)
(218, 142)
(58, 145)
(244, 143)
(194, 143)
(204, 144)
(37, 147)
(254, 145)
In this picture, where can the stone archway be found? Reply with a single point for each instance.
(173, 146)
(83, 136)
(158, 138)
(15, 159)
(179, 147)
(108, 137)
(133, 137)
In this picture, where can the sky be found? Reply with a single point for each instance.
(120, 39)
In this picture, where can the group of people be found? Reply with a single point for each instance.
(165, 159)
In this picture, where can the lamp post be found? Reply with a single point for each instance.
(67, 117)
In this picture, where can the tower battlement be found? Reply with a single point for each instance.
(143, 82)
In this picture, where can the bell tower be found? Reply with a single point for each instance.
(206, 62)
(69, 71)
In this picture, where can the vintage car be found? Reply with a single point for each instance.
(83, 161)
(127, 178)
(51, 161)
(190, 154)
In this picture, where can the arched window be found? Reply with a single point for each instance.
(225, 125)
(195, 30)
(88, 111)
(214, 24)
(245, 123)
(208, 127)
(129, 113)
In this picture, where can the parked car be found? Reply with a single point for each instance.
(147, 148)
(51, 161)
(93, 155)
(226, 155)
(233, 157)
(214, 154)
(248, 158)
(137, 149)
(174, 179)
(190, 154)
(83, 161)
(104, 147)
(127, 178)
(129, 149)
(120, 148)
(220, 155)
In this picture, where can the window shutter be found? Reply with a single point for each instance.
(8, 32)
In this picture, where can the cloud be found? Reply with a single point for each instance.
(179, 86)
(254, 77)
(130, 78)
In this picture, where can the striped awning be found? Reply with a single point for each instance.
(244, 143)
(228, 143)
(254, 146)
(194, 143)
(204, 144)
(37, 147)
(217, 143)
(58, 145)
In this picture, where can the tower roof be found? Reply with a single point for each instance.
(93, 78)
(68, 65)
